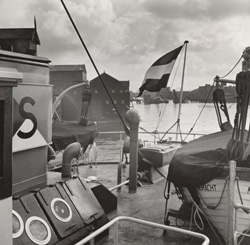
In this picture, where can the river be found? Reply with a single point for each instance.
(206, 123)
(109, 150)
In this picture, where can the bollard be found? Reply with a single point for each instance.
(133, 118)
(72, 151)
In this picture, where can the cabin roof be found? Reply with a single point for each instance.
(20, 33)
(78, 67)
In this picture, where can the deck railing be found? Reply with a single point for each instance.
(155, 136)
(238, 206)
(149, 139)
(147, 142)
(115, 222)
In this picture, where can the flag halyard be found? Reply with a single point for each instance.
(158, 74)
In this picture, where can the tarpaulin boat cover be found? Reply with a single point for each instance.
(64, 134)
(200, 160)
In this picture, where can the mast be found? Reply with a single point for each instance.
(181, 94)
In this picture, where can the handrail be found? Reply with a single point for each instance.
(90, 238)
(142, 132)
(238, 206)
(119, 185)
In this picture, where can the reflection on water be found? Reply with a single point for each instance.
(162, 117)
(207, 122)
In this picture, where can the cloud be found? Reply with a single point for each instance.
(125, 37)
(197, 9)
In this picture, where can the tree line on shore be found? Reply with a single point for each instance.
(197, 95)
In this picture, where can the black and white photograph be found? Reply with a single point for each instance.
(124, 122)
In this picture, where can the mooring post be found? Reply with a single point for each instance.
(231, 211)
(133, 118)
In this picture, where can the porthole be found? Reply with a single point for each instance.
(17, 224)
(38, 230)
(61, 209)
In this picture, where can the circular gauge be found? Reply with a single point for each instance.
(61, 209)
(38, 230)
(17, 224)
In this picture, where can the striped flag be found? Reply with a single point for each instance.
(158, 74)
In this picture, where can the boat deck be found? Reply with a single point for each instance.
(148, 203)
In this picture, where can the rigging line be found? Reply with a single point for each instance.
(93, 63)
(150, 133)
(176, 69)
(179, 128)
(209, 95)
(200, 111)
(159, 119)
(162, 114)
(169, 130)
(101, 92)
(233, 67)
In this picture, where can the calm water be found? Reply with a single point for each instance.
(109, 150)
(207, 122)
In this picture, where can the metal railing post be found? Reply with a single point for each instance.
(246, 209)
(116, 233)
(231, 220)
(120, 165)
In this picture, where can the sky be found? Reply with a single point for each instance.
(125, 37)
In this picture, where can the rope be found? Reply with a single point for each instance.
(95, 67)
(238, 147)
(167, 185)
(208, 98)
(200, 112)
(176, 69)
(219, 98)
(149, 132)
(169, 130)
(214, 207)
(161, 114)
(179, 128)
(100, 90)
(233, 67)
(196, 213)
(209, 222)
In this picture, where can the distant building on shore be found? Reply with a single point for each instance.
(101, 108)
(201, 94)
(198, 95)
(63, 77)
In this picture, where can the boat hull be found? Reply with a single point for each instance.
(214, 200)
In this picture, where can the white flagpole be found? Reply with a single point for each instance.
(181, 94)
